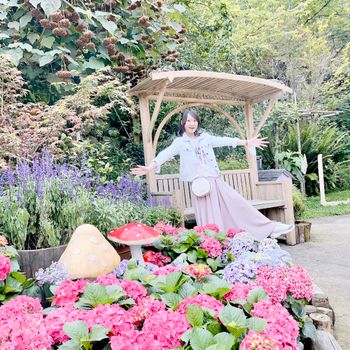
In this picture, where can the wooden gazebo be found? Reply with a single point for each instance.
(210, 90)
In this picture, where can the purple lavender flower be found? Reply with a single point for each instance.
(52, 275)
(242, 271)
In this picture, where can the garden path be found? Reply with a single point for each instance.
(327, 259)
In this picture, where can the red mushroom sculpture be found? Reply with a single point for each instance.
(134, 235)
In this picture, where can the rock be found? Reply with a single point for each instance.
(309, 309)
(322, 322)
(327, 311)
(319, 299)
(89, 254)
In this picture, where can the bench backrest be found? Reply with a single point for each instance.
(240, 180)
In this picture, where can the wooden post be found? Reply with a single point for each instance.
(321, 179)
(251, 157)
(147, 143)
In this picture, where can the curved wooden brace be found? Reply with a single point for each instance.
(188, 105)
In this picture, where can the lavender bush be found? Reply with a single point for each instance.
(41, 203)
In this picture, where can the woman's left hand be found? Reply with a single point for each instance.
(258, 142)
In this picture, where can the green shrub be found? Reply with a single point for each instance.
(342, 174)
(299, 203)
(233, 162)
(152, 215)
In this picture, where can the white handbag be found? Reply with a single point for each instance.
(200, 187)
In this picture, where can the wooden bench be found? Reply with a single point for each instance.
(273, 199)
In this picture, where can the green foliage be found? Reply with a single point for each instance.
(291, 161)
(299, 203)
(16, 282)
(152, 215)
(314, 209)
(95, 294)
(317, 137)
(54, 41)
(187, 245)
(81, 337)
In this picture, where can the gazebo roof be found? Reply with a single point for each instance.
(208, 87)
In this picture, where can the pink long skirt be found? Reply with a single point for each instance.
(226, 208)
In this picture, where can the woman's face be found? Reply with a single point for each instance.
(191, 125)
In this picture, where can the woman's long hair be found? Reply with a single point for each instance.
(188, 112)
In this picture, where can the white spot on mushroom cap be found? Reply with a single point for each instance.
(139, 225)
(93, 239)
(125, 229)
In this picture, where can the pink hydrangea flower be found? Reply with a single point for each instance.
(165, 270)
(107, 280)
(145, 308)
(238, 291)
(281, 326)
(201, 300)
(258, 341)
(164, 228)
(210, 227)
(5, 267)
(166, 327)
(68, 292)
(112, 317)
(233, 232)
(22, 326)
(278, 282)
(3, 241)
(56, 319)
(197, 270)
(127, 341)
(133, 289)
(212, 246)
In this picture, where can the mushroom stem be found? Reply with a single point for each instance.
(136, 253)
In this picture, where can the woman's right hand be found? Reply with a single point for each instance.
(141, 170)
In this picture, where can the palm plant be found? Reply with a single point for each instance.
(316, 138)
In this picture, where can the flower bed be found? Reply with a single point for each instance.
(42, 203)
(203, 290)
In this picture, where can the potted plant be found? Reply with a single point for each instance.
(302, 227)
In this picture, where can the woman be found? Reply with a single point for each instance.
(223, 205)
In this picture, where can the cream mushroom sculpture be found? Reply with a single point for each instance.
(134, 235)
(89, 254)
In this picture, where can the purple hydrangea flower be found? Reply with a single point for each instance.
(236, 247)
(268, 243)
(242, 271)
(121, 268)
(55, 274)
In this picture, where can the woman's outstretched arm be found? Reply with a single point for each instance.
(256, 141)
(141, 170)
(161, 158)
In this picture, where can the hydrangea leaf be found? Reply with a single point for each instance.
(171, 299)
(256, 295)
(257, 324)
(98, 332)
(201, 339)
(76, 330)
(194, 315)
(225, 339)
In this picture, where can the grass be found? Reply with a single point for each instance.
(314, 209)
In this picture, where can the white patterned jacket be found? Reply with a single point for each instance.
(197, 156)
